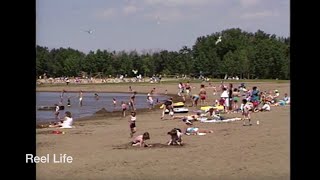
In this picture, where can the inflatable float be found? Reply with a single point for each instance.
(206, 108)
(178, 110)
(178, 105)
(49, 108)
(175, 105)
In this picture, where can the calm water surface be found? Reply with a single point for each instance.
(90, 104)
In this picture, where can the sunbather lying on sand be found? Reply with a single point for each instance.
(195, 130)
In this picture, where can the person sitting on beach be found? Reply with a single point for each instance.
(140, 140)
(132, 122)
(242, 87)
(66, 122)
(266, 107)
(211, 114)
(286, 98)
(195, 130)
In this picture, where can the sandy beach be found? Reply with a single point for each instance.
(99, 145)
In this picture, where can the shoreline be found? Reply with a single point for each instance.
(107, 115)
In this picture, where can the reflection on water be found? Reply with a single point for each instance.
(90, 103)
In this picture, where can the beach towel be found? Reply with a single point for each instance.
(205, 120)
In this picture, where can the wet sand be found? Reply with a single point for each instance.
(99, 145)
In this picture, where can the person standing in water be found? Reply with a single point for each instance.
(96, 96)
(150, 101)
(80, 98)
(61, 96)
(124, 108)
(56, 112)
(132, 101)
(114, 101)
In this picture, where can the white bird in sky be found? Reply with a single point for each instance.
(89, 31)
(219, 40)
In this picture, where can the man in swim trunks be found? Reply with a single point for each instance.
(202, 94)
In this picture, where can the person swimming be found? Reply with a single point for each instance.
(68, 102)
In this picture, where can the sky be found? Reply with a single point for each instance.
(151, 24)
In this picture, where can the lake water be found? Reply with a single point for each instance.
(90, 104)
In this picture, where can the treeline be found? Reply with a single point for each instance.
(243, 54)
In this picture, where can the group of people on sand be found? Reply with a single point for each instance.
(253, 100)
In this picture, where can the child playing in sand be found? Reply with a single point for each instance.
(124, 108)
(140, 140)
(132, 122)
